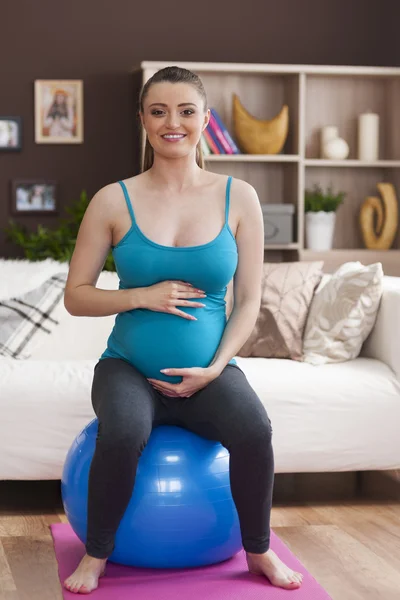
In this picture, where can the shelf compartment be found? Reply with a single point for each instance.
(275, 183)
(357, 184)
(262, 95)
(340, 99)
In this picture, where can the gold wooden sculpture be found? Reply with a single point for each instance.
(257, 136)
(380, 235)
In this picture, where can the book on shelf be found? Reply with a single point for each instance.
(210, 142)
(225, 132)
(204, 146)
(226, 149)
(217, 136)
(215, 139)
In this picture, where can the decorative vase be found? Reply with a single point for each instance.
(328, 133)
(333, 146)
(336, 149)
(320, 227)
(257, 136)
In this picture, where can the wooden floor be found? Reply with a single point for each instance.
(343, 528)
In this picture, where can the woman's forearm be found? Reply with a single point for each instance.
(89, 301)
(237, 331)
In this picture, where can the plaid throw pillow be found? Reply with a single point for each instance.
(25, 321)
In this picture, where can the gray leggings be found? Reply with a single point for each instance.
(227, 410)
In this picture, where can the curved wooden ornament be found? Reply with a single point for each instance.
(258, 136)
(381, 235)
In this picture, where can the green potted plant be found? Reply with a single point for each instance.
(57, 243)
(320, 207)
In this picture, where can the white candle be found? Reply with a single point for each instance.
(368, 136)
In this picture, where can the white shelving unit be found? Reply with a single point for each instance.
(316, 96)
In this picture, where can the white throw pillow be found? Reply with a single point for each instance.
(19, 276)
(342, 313)
(79, 338)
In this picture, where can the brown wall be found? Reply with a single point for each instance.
(100, 41)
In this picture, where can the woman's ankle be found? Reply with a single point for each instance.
(100, 559)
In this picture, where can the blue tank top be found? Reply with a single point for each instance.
(151, 340)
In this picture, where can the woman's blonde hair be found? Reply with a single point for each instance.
(171, 74)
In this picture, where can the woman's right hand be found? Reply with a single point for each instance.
(167, 295)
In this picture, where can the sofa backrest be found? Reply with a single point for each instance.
(77, 338)
(83, 338)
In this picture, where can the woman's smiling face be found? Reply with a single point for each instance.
(174, 118)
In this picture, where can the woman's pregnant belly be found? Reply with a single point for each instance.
(156, 340)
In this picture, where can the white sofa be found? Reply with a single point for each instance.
(335, 417)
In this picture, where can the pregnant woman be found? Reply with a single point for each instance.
(179, 235)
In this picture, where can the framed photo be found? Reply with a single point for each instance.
(34, 197)
(58, 111)
(10, 133)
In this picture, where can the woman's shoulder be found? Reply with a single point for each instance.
(243, 197)
(105, 194)
(242, 186)
(114, 186)
(109, 200)
(113, 190)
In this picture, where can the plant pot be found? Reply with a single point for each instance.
(319, 229)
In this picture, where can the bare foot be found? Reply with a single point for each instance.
(86, 577)
(270, 565)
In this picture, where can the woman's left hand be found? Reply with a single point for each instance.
(193, 380)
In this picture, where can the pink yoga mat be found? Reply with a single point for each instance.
(229, 580)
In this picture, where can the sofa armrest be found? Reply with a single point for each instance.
(383, 343)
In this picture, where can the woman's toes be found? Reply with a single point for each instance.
(84, 590)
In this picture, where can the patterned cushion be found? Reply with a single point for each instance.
(26, 320)
(287, 291)
(343, 313)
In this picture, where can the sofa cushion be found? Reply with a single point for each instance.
(326, 418)
(343, 313)
(19, 276)
(43, 406)
(323, 419)
(79, 338)
(286, 294)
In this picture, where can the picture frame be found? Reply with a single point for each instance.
(10, 133)
(34, 197)
(58, 111)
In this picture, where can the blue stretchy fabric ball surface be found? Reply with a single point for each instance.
(181, 513)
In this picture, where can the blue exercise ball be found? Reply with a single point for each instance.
(181, 513)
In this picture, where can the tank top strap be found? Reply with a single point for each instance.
(227, 198)
(128, 201)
